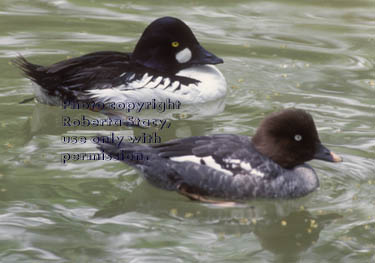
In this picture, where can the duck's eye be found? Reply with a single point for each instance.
(175, 44)
(298, 137)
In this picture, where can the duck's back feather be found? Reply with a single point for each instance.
(92, 77)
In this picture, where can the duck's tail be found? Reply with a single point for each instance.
(46, 90)
(133, 154)
(146, 158)
(31, 71)
(34, 72)
(27, 100)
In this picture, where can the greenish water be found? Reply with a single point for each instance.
(315, 55)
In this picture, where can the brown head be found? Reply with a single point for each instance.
(290, 138)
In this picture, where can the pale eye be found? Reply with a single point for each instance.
(298, 137)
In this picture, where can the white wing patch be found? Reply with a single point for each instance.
(235, 163)
(208, 161)
(257, 173)
(246, 166)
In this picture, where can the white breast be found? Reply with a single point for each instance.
(212, 84)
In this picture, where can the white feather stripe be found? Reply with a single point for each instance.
(235, 163)
(208, 161)
(212, 86)
(175, 84)
(153, 84)
(131, 77)
(167, 82)
(140, 83)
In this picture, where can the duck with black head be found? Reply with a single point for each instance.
(167, 62)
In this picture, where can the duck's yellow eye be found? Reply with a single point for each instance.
(175, 44)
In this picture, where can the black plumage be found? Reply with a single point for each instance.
(154, 54)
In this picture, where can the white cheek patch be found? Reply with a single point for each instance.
(183, 56)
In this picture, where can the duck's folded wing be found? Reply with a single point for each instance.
(222, 166)
(94, 75)
(231, 154)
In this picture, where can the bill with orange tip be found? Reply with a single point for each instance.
(324, 154)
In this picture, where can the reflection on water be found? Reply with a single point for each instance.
(313, 55)
(284, 230)
(287, 237)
